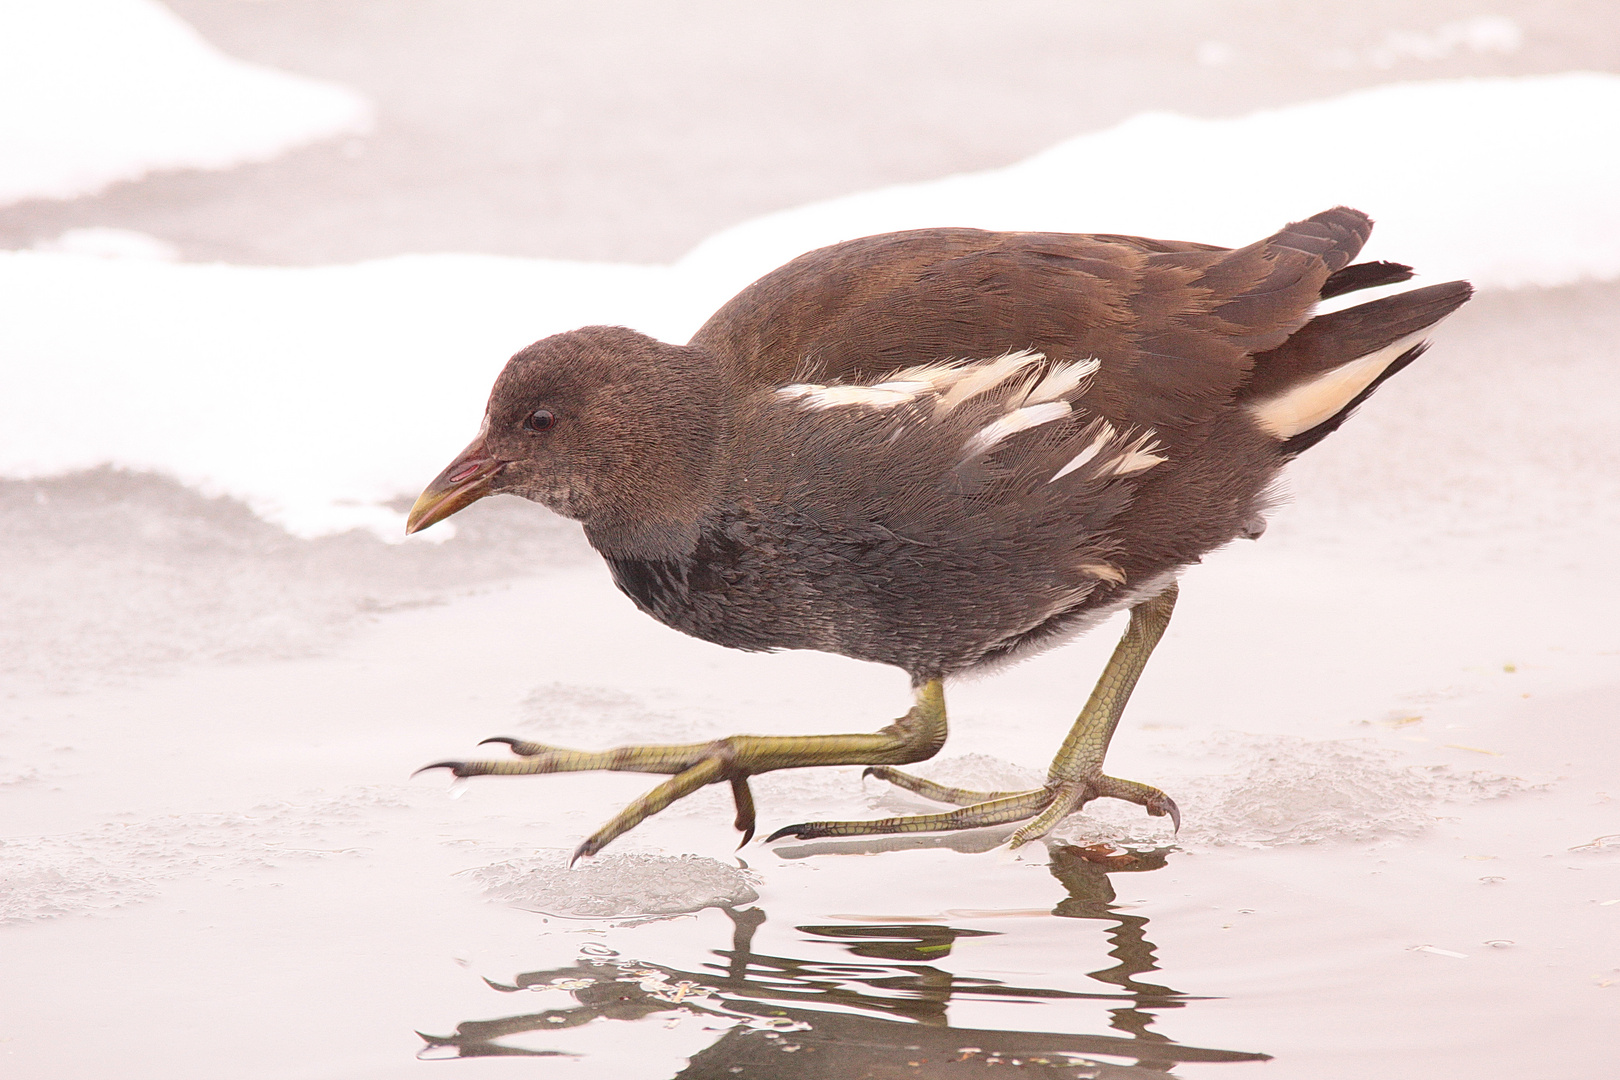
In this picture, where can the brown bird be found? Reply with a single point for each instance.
(943, 450)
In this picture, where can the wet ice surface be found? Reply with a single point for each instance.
(1390, 725)
(1394, 759)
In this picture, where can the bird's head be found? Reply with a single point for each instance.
(604, 425)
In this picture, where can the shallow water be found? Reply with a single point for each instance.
(1398, 857)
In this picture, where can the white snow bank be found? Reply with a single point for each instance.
(311, 394)
(97, 91)
(1508, 182)
(316, 394)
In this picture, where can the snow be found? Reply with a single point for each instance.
(1507, 182)
(93, 92)
(317, 395)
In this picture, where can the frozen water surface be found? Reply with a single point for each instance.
(1390, 723)
(1399, 851)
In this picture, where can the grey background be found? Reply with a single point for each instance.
(631, 129)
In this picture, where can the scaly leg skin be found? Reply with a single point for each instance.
(1076, 776)
(916, 736)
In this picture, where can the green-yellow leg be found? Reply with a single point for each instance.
(916, 736)
(1076, 775)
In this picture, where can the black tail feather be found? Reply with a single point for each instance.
(1339, 337)
(1367, 275)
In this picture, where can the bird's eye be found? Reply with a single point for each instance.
(540, 420)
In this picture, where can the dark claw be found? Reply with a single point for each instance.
(520, 747)
(870, 770)
(588, 846)
(744, 798)
(1163, 805)
(795, 831)
(454, 766)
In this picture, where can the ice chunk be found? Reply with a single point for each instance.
(624, 885)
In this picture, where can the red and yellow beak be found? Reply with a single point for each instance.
(466, 480)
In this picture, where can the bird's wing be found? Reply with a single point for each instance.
(993, 456)
(1173, 324)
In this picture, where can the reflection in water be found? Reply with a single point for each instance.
(845, 1021)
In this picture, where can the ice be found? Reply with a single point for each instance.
(1253, 791)
(97, 91)
(1281, 790)
(127, 861)
(615, 885)
(319, 396)
(130, 573)
(592, 717)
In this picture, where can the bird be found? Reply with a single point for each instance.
(943, 450)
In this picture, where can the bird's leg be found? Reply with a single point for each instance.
(916, 736)
(1076, 775)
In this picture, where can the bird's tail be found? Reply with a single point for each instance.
(1305, 388)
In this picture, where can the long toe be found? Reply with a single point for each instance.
(915, 736)
(1156, 802)
(1012, 807)
(928, 789)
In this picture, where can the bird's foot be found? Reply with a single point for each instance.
(693, 766)
(1069, 796)
(913, 737)
(1043, 806)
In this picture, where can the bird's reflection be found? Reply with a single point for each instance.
(781, 1016)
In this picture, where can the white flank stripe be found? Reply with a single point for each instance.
(1063, 380)
(1139, 456)
(1011, 424)
(987, 375)
(831, 397)
(1105, 571)
(1104, 437)
(932, 377)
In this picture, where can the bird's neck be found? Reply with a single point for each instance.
(660, 510)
